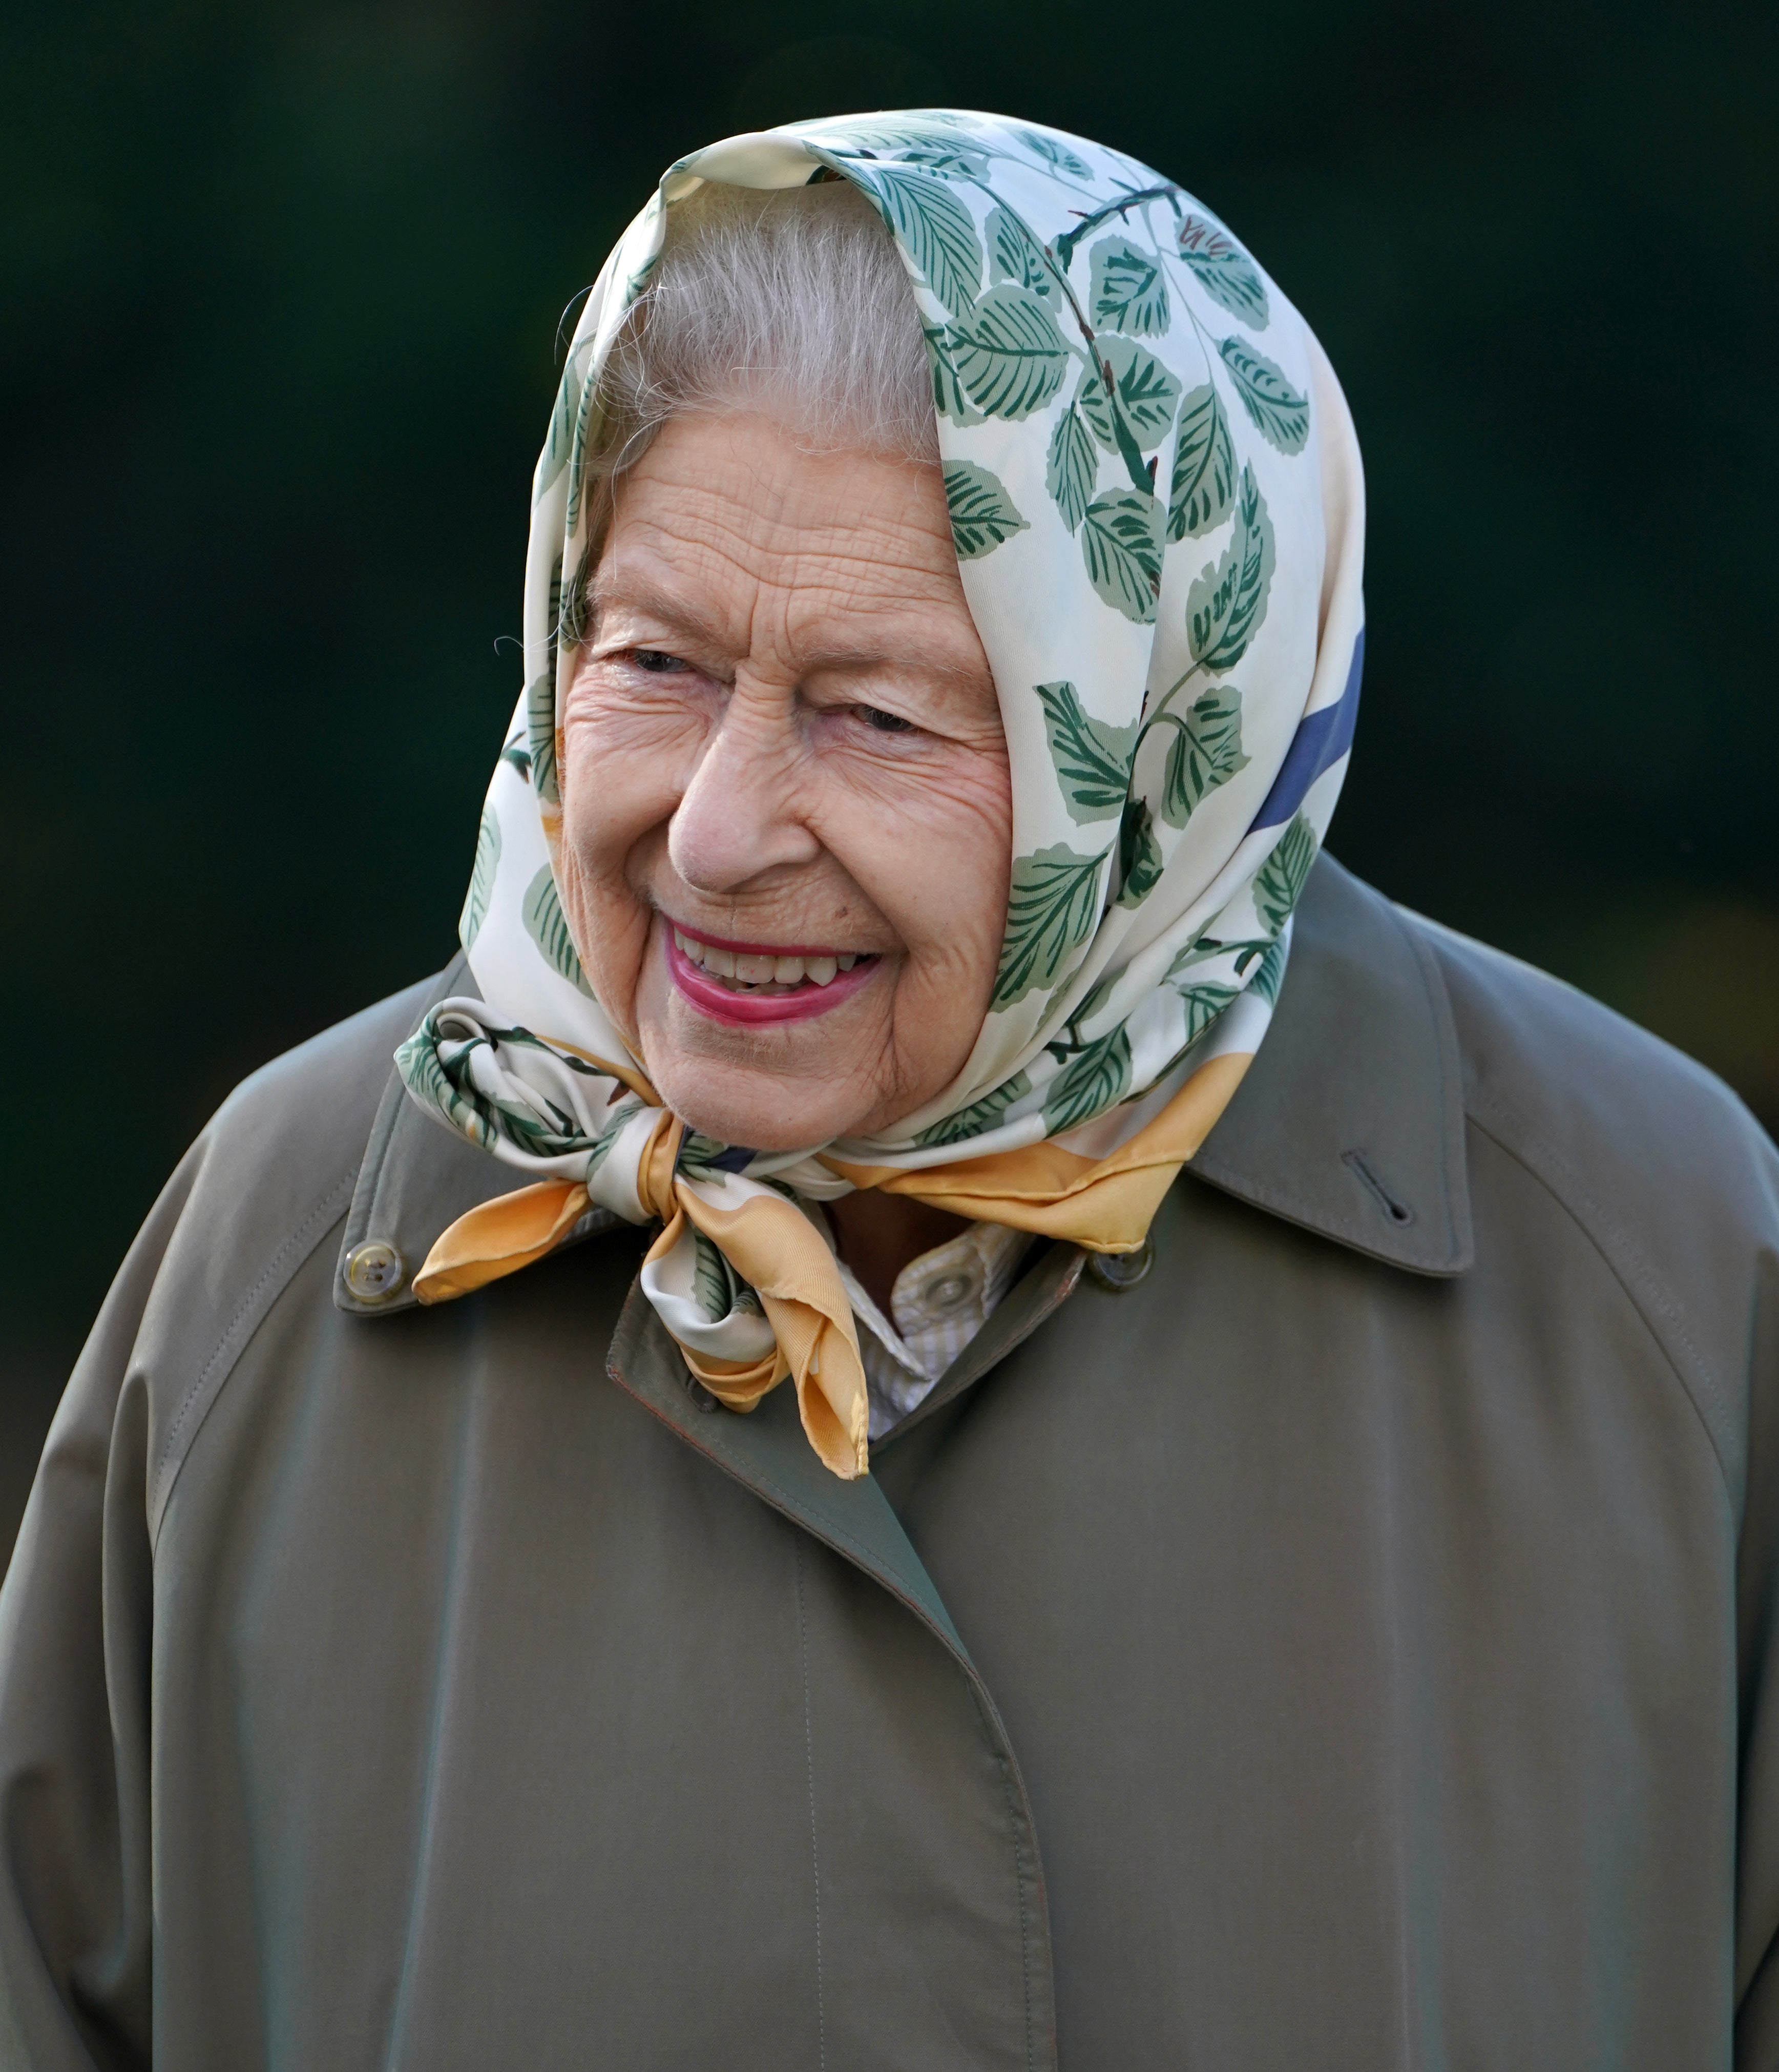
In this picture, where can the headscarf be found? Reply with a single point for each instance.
(1158, 509)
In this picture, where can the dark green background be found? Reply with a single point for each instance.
(279, 292)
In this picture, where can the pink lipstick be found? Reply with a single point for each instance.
(749, 984)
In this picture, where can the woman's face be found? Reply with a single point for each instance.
(787, 816)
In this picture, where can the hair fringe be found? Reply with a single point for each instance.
(794, 302)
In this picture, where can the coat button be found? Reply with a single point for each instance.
(947, 1291)
(374, 1271)
(1119, 1270)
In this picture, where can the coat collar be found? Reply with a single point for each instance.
(1349, 1122)
(417, 1177)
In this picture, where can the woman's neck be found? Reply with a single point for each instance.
(879, 1235)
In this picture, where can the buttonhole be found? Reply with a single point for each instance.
(1398, 1212)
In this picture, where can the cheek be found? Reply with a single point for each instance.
(936, 861)
(620, 781)
(623, 763)
(955, 829)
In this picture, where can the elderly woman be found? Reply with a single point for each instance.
(957, 1408)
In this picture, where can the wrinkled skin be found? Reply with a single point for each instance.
(783, 730)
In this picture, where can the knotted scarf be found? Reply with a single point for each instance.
(1158, 509)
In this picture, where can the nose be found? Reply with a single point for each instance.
(741, 816)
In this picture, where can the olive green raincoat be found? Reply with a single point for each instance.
(1379, 1676)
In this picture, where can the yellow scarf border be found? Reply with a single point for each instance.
(1105, 1205)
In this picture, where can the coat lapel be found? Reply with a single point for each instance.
(767, 1451)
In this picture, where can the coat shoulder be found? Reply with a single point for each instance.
(1664, 1169)
(1542, 1059)
(270, 1180)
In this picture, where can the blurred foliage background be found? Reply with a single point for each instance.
(278, 339)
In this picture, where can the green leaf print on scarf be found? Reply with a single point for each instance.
(1224, 271)
(1092, 760)
(563, 421)
(1204, 467)
(1090, 1003)
(951, 161)
(1206, 751)
(1007, 359)
(911, 130)
(1143, 394)
(575, 606)
(1074, 463)
(585, 421)
(622, 1114)
(1139, 854)
(982, 514)
(1203, 1004)
(487, 857)
(719, 1288)
(439, 1065)
(1055, 152)
(1227, 605)
(540, 737)
(1052, 910)
(553, 631)
(1264, 983)
(548, 928)
(1093, 1080)
(979, 1117)
(1121, 539)
(698, 1158)
(1281, 413)
(935, 229)
(1126, 291)
(1015, 254)
(1280, 882)
(422, 1072)
(950, 397)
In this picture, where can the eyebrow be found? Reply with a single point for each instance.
(647, 597)
(680, 617)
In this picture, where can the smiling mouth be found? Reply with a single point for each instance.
(751, 985)
(763, 973)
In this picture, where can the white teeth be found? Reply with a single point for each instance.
(754, 967)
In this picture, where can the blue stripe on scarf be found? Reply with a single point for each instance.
(1320, 742)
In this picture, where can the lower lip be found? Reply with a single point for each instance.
(751, 1010)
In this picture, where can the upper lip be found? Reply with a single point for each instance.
(761, 949)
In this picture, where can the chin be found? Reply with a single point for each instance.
(772, 1118)
(779, 1104)
(780, 1089)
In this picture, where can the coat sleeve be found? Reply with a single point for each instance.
(1757, 1841)
(75, 1637)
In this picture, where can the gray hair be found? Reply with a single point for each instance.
(793, 303)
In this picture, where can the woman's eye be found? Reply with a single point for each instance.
(655, 661)
(885, 722)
